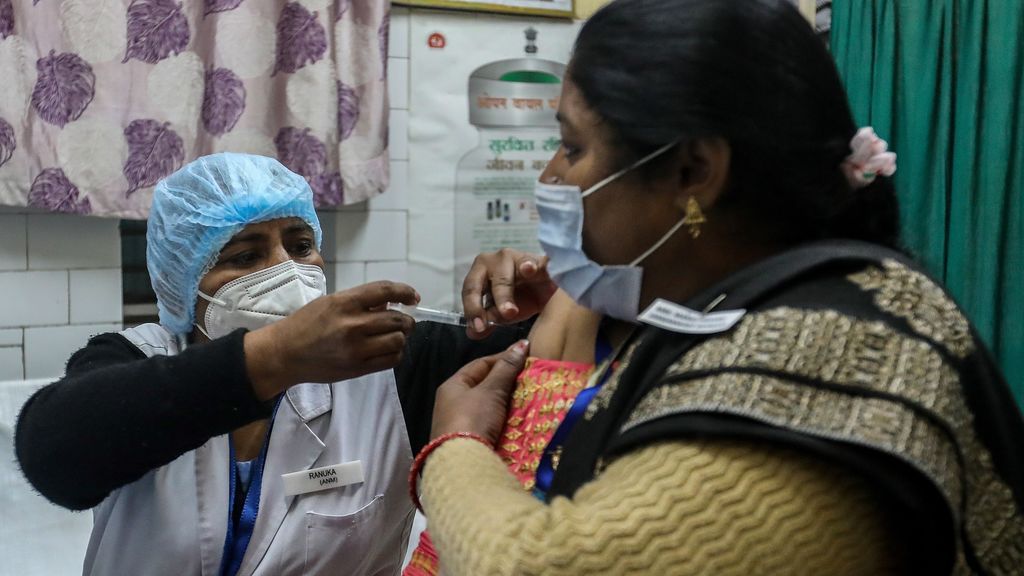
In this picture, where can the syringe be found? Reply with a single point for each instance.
(421, 314)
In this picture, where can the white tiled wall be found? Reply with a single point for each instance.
(48, 348)
(11, 337)
(94, 242)
(90, 292)
(12, 365)
(33, 298)
(395, 271)
(13, 237)
(60, 282)
(60, 276)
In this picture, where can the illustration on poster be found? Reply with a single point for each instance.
(512, 104)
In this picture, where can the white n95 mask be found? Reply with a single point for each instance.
(261, 298)
(609, 290)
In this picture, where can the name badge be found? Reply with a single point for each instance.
(323, 478)
(672, 316)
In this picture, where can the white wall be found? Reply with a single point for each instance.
(60, 276)
(60, 282)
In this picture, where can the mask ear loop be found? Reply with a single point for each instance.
(211, 300)
(205, 333)
(619, 174)
(632, 166)
(659, 243)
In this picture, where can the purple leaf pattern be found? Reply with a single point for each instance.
(214, 6)
(301, 39)
(53, 191)
(8, 144)
(300, 151)
(156, 28)
(340, 7)
(348, 110)
(64, 88)
(382, 40)
(327, 189)
(154, 151)
(6, 19)
(223, 101)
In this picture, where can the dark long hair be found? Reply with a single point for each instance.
(749, 71)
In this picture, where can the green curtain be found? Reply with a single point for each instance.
(943, 82)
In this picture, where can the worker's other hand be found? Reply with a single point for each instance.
(504, 287)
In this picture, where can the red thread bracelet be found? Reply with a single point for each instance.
(421, 458)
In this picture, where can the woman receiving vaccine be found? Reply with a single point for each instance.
(772, 386)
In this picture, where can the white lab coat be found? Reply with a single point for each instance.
(173, 520)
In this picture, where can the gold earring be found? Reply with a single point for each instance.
(694, 217)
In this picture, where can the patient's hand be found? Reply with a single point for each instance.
(476, 398)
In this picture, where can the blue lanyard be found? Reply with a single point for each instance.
(546, 468)
(238, 536)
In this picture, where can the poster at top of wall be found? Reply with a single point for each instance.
(482, 127)
(558, 8)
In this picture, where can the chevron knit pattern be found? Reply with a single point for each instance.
(718, 508)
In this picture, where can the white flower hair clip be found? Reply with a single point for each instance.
(869, 158)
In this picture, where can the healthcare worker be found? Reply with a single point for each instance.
(258, 428)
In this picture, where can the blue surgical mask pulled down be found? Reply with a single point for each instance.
(609, 290)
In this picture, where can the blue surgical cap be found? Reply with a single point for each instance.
(199, 208)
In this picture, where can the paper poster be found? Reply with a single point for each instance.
(533, 7)
(481, 129)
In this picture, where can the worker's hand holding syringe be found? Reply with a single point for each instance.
(336, 337)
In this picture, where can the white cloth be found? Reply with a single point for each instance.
(36, 537)
(173, 520)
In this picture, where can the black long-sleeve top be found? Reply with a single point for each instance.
(118, 414)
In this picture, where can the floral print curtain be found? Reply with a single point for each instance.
(100, 99)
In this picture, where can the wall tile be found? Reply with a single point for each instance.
(435, 286)
(396, 197)
(11, 337)
(431, 245)
(348, 275)
(355, 207)
(11, 364)
(96, 296)
(398, 36)
(398, 83)
(47, 349)
(33, 298)
(370, 236)
(396, 271)
(398, 135)
(329, 272)
(13, 237)
(58, 241)
(19, 210)
(432, 237)
(327, 225)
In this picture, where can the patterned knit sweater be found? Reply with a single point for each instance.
(672, 508)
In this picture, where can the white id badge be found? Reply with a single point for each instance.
(323, 478)
(672, 316)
